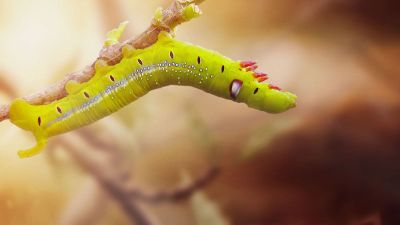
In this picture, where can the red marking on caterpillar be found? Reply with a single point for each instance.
(252, 68)
(271, 86)
(261, 79)
(245, 64)
(259, 75)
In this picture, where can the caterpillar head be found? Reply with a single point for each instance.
(250, 87)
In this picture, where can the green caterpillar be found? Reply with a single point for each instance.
(167, 62)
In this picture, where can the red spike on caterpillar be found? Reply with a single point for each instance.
(251, 68)
(259, 75)
(261, 79)
(245, 64)
(271, 86)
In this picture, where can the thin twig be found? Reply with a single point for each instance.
(109, 173)
(107, 176)
(179, 193)
(171, 17)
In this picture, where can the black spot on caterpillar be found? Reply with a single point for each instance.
(255, 91)
(39, 120)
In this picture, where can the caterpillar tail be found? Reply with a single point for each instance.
(34, 150)
(26, 116)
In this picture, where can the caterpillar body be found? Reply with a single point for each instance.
(167, 62)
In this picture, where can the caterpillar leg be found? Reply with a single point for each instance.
(34, 150)
(157, 20)
(114, 35)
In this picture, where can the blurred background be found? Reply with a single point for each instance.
(334, 159)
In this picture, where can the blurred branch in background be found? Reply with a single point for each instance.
(108, 173)
(6, 86)
(107, 166)
(179, 193)
(205, 211)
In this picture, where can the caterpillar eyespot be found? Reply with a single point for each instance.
(168, 62)
(235, 87)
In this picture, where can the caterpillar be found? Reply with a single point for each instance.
(167, 62)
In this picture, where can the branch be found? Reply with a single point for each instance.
(107, 167)
(170, 17)
(179, 193)
(107, 174)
